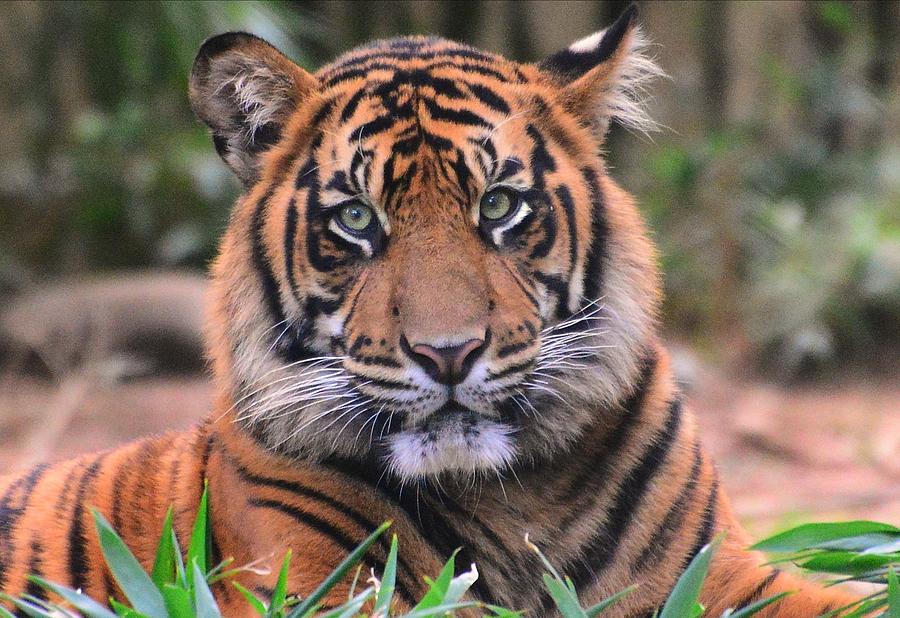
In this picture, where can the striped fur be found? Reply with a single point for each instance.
(563, 420)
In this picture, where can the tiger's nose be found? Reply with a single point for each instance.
(448, 365)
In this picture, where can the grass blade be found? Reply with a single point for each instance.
(437, 588)
(893, 595)
(164, 564)
(338, 574)
(388, 582)
(204, 602)
(754, 608)
(197, 550)
(252, 599)
(683, 602)
(88, 607)
(276, 605)
(127, 571)
(609, 601)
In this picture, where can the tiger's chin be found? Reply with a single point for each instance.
(458, 442)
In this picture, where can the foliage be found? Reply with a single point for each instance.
(179, 587)
(863, 551)
(114, 167)
(788, 210)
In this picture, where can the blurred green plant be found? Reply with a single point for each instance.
(117, 172)
(780, 234)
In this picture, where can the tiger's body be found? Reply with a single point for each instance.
(433, 306)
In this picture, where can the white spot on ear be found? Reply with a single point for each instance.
(588, 43)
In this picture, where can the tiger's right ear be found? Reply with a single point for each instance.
(245, 90)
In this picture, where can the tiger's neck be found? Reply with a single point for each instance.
(632, 501)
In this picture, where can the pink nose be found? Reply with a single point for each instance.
(447, 365)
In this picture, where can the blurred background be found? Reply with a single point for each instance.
(773, 192)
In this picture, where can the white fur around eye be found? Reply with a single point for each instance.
(366, 246)
(498, 232)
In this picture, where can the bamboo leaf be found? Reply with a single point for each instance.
(127, 571)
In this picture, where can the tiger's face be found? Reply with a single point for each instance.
(430, 269)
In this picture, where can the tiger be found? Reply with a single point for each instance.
(431, 305)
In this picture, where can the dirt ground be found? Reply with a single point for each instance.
(785, 455)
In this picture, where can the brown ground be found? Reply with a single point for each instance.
(823, 452)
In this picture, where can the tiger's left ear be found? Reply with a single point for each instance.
(604, 76)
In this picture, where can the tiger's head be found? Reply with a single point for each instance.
(430, 267)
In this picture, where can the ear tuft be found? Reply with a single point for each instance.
(245, 91)
(606, 75)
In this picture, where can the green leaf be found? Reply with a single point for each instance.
(88, 607)
(127, 571)
(610, 601)
(178, 601)
(439, 610)
(351, 608)
(5, 613)
(164, 564)
(683, 601)
(502, 612)
(338, 574)
(276, 605)
(252, 599)
(565, 601)
(388, 581)
(754, 608)
(204, 602)
(810, 535)
(438, 587)
(846, 562)
(181, 578)
(29, 609)
(199, 536)
(893, 595)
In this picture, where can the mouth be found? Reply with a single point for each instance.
(452, 439)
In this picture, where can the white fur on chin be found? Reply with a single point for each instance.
(415, 454)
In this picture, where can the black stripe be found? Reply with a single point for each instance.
(596, 253)
(601, 549)
(757, 592)
(339, 537)
(10, 515)
(513, 348)
(673, 520)
(290, 237)
(488, 97)
(457, 116)
(565, 199)
(312, 494)
(35, 564)
(78, 562)
(435, 530)
(588, 482)
(707, 525)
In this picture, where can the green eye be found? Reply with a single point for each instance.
(497, 204)
(355, 217)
